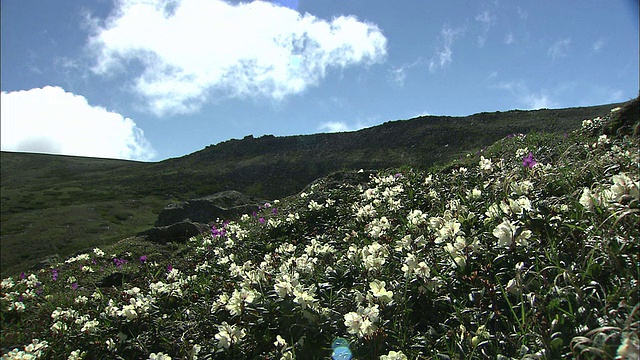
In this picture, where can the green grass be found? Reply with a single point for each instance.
(410, 261)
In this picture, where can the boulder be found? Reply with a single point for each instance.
(223, 205)
(178, 232)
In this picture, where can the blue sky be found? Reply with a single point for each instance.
(150, 80)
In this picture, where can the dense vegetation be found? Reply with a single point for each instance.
(54, 206)
(527, 249)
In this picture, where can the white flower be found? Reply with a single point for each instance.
(159, 356)
(379, 292)
(304, 298)
(238, 300)
(587, 199)
(7, 283)
(394, 355)
(629, 348)
(229, 334)
(520, 205)
(374, 256)
(77, 355)
(313, 205)
(111, 345)
(417, 218)
(423, 270)
(404, 243)
(624, 185)
(98, 252)
(280, 342)
(449, 230)
(485, 164)
(505, 232)
(378, 227)
(602, 140)
(353, 322)
(521, 187)
(89, 326)
(362, 322)
(474, 194)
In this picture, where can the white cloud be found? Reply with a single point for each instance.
(340, 126)
(487, 21)
(531, 100)
(442, 57)
(559, 49)
(508, 39)
(398, 75)
(334, 126)
(50, 120)
(193, 51)
(537, 101)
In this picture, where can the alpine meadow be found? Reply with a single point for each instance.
(505, 239)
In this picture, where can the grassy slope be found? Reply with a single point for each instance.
(565, 284)
(59, 205)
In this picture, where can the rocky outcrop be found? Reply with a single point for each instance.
(180, 221)
(222, 205)
(178, 232)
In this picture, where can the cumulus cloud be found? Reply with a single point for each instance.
(189, 52)
(51, 120)
(442, 57)
(559, 49)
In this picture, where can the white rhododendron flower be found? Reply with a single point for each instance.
(379, 292)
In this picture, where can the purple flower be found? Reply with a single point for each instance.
(54, 274)
(215, 232)
(275, 211)
(23, 275)
(509, 136)
(169, 268)
(74, 286)
(119, 262)
(143, 259)
(261, 220)
(529, 161)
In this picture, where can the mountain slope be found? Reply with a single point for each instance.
(61, 204)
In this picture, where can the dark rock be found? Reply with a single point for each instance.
(48, 262)
(223, 205)
(339, 179)
(179, 232)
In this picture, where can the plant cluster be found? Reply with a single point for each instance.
(526, 250)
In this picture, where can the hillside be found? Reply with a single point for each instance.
(526, 250)
(61, 204)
